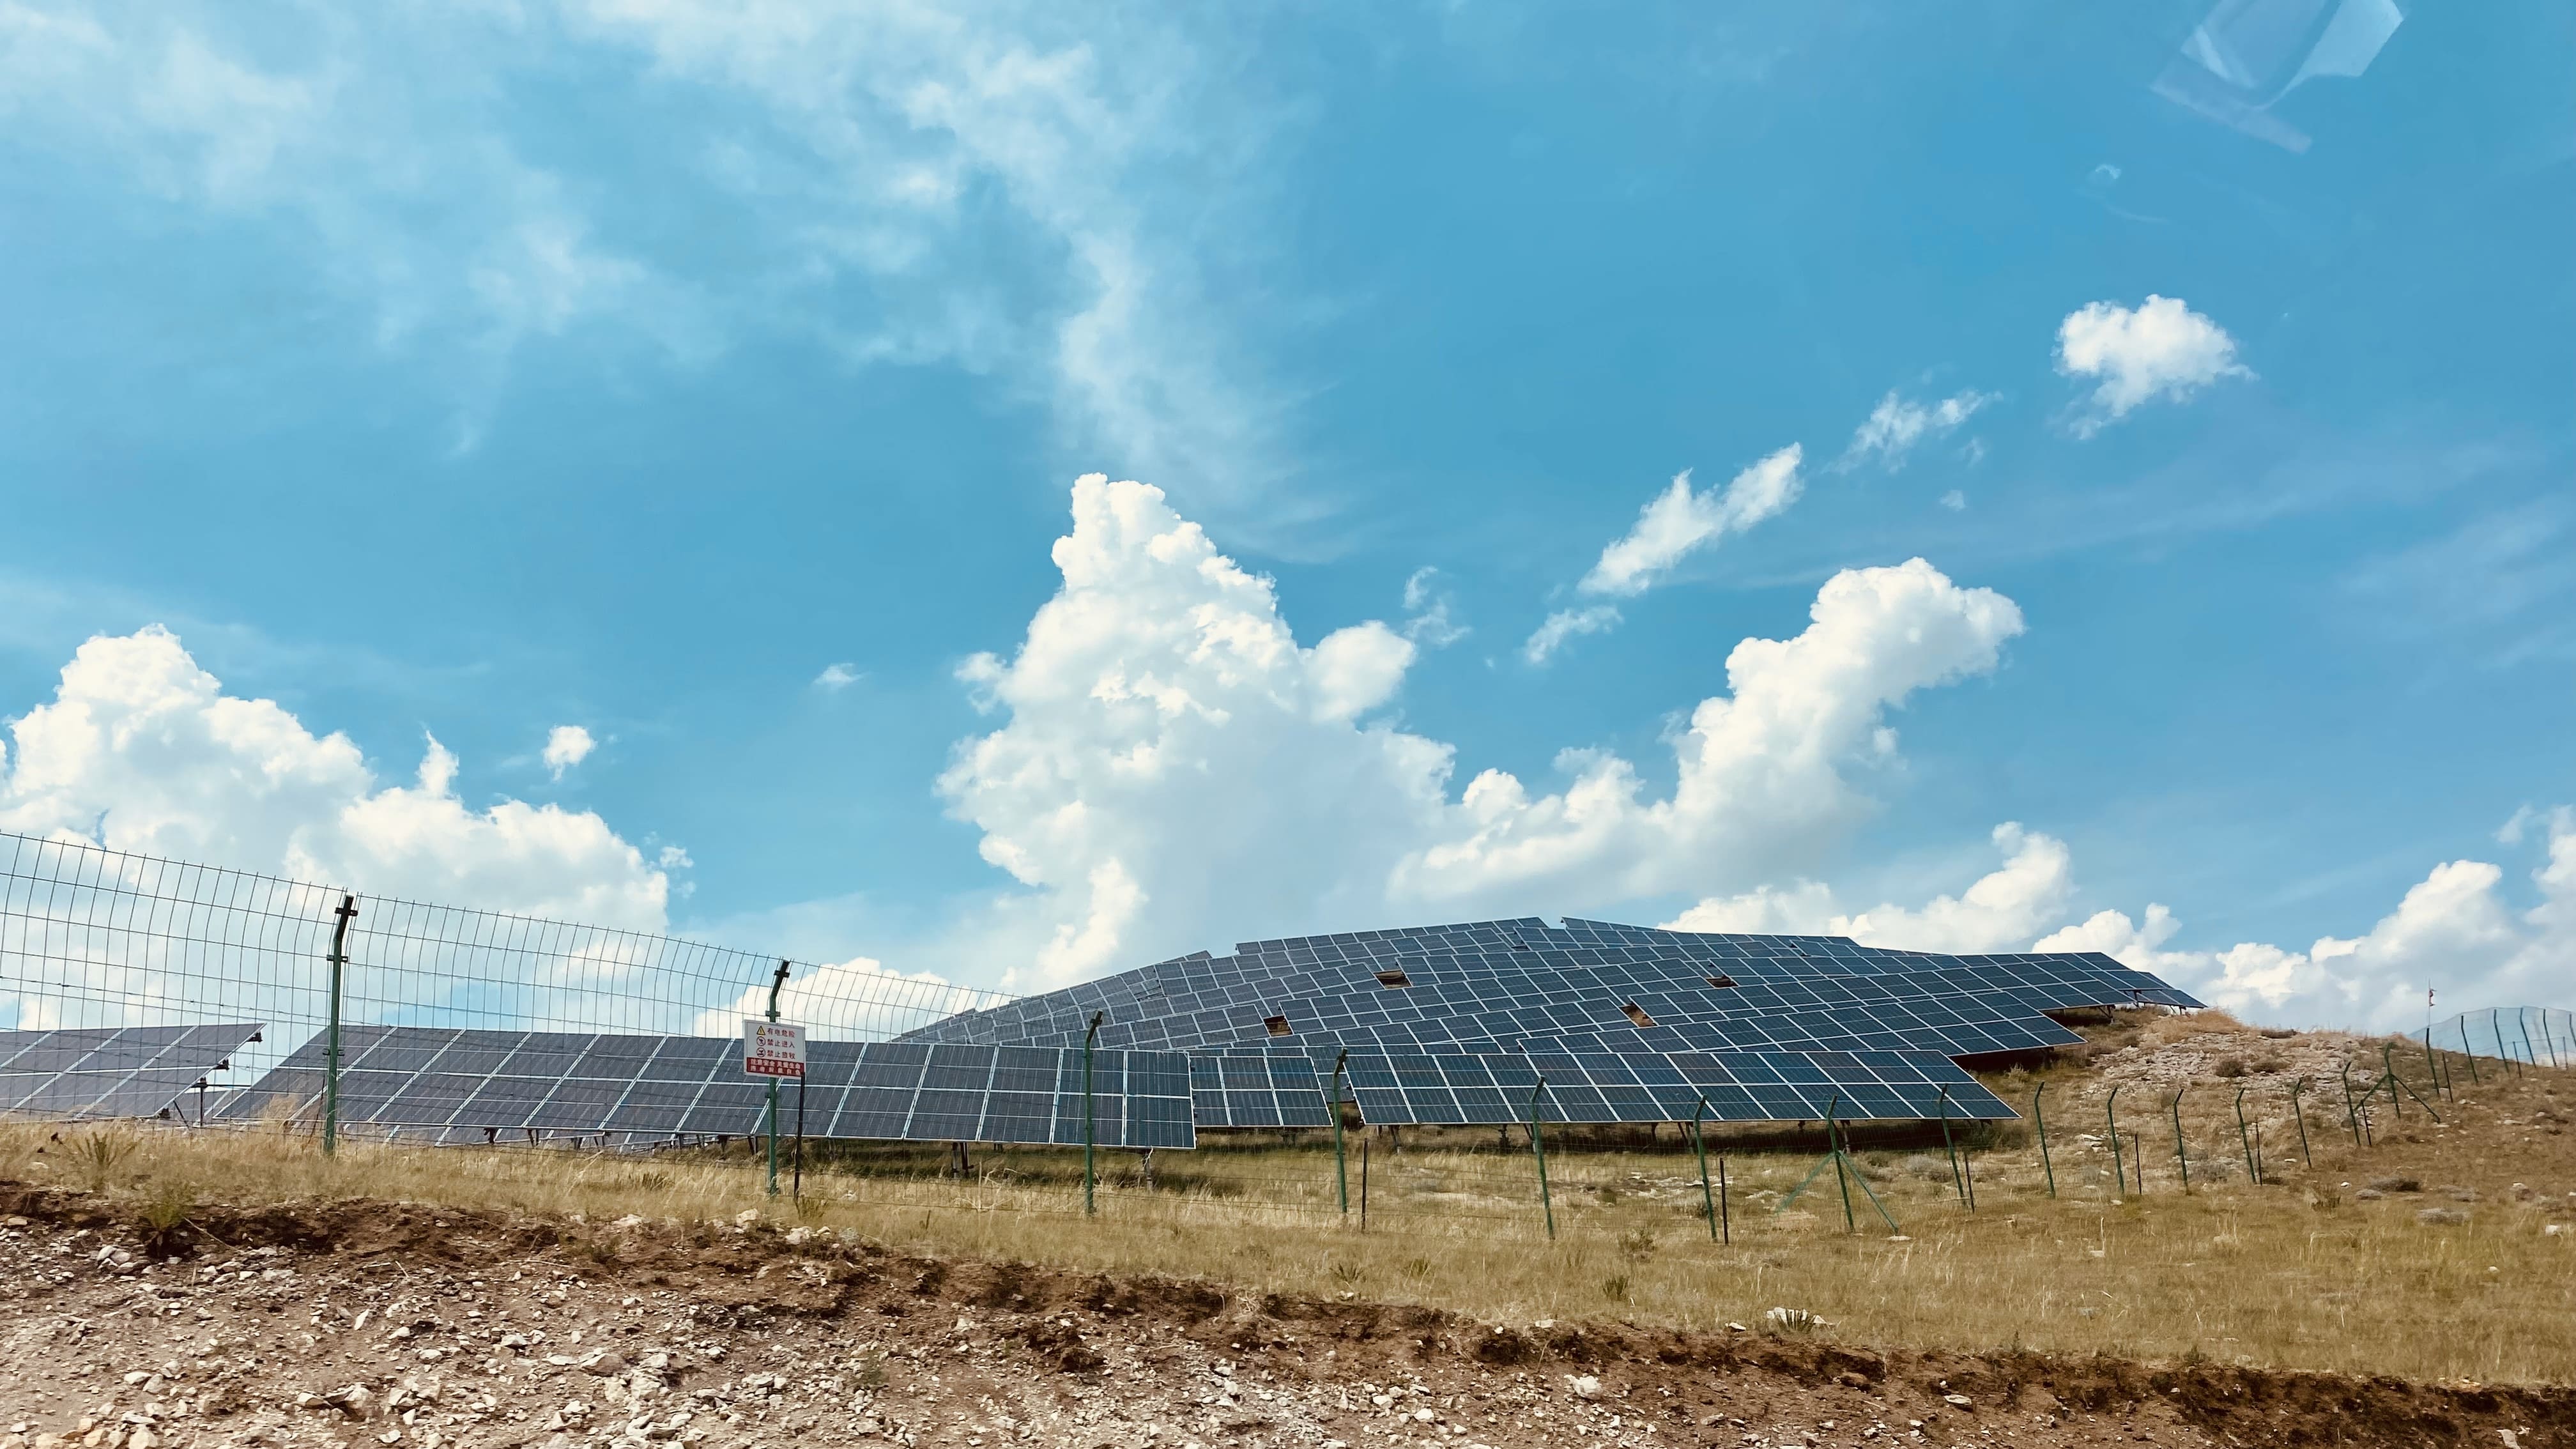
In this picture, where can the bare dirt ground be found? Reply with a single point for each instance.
(394, 1324)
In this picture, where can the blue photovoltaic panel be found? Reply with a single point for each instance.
(135, 1071)
(1258, 1088)
(1489, 989)
(450, 1085)
(1585, 1086)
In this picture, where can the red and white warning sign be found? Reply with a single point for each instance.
(773, 1048)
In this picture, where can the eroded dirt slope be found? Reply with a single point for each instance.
(396, 1325)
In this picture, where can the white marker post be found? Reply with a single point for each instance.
(776, 1050)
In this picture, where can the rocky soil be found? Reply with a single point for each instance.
(398, 1325)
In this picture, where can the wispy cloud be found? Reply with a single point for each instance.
(1673, 525)
(838, 677)
(1896, 425)
(1679, 522)
(1426, 608)
(1096, 158)
(1566, 624)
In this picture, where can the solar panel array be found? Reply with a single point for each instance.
(1455, 1024)
(1773, 1026)
(460, 1085)
(134, 1071)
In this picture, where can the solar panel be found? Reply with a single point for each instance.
(1259, 1088)
(135, 1071)
(451, 1085)
(1588, 1086)
(1492, 989)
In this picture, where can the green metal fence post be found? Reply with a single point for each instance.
(1538, 1147)
(2040, 1120)
(1090, 1131)
(2495, 1023)
(339, 959)
(2301, 1117)
(2352, 1109)
(2467, 1050)
(2397, 1083)
(1699, 1147)
(1341, 1165)
(2522, 1023)
(2182, 1153)
(2111, 1114)
(775, 982)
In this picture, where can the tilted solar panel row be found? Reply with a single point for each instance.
(447, 1084)
(1151, 994)
(1583, 1085)
(135, 1071)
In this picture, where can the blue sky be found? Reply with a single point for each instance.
(627, 366)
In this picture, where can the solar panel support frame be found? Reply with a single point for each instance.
(1341, 1164)
(1090, 1127)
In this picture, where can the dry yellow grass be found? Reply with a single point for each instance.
(2295, 1272)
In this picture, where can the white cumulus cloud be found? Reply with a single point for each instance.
(567, 746)
(2454, 931)
(837, 677)
(141, 750)
(1172, 769)
(2162, 348)
(2000, 911)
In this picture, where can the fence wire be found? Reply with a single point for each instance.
(99, 939)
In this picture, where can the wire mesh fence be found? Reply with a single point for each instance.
(2529, 1035)
(158, 954)
(114, 946)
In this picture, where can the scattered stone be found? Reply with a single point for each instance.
(2441, 1217)
(1956, 1401)
(1585, 1386)
(2396, 1184)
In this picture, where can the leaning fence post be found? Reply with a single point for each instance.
(1842, 1179)
(1089, 1129)
(1538, 1147)
(2181, 1153)
(1956, 1185)
(2522, 1023)
(2467, 1050)
(2111, 1113)
(2351, 1108)
(1699, 1147)
(2495, 1023)
(1341, 1165)
(2301, 1117)
(2253, 1174)
(2041, 1121)
(339, 958)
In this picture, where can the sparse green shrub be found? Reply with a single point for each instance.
(97, 1155)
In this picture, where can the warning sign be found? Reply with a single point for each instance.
(773, 1048)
